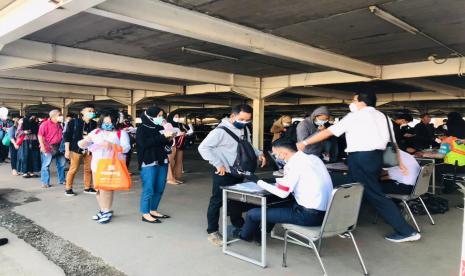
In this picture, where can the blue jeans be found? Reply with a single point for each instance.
(293, 213)
(153, 186)
(45, 169)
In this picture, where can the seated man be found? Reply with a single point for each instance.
(453, 151)
(395, 182)
(307, 178)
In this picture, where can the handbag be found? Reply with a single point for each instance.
(20, 140)
(6, 141)
(112, 174)
(390, 153)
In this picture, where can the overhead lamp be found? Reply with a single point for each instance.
(20, 13)
(207, 54)
(393, 20)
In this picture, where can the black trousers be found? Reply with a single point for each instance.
(235, 208)
(392, 187)
(365, 167)
(3, 152)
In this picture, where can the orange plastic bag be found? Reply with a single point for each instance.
(112, 174)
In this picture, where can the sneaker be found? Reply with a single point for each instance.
(459, 206)
(90, 191)
(99, 215)
(215, 238)
(69, 192)
(395, 237)
(105, 217)
(278, 173)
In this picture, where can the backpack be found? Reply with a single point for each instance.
(246, 159)
(435, 205)
(291, 132)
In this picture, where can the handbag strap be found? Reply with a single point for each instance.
(390, 132)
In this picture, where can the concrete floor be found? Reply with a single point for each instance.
(179, 246)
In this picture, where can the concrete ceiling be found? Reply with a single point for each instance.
(347, 27)
(343, 27)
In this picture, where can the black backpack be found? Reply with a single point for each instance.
(246, 159)
(291, 132)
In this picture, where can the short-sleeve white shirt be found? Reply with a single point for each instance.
(366, 130)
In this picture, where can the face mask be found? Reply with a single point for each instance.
(353, 107)
(107, 126)
(90, 115)
(239, 124)
(60, 119)
(320, 122)
(158, 120)
(286, 125)
(175, 119)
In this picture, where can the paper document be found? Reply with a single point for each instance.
(250, 187)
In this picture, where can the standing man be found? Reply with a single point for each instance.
(77, 129)
(50, 135)
(367, 135)
(220, 149)
(424, 133)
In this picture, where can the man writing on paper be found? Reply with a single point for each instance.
(306, 177)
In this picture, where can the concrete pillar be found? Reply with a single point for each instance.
(132, 108)
(258, 122)
(22, 109)
(64, 110)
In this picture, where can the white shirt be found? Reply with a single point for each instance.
(99, 136)
(366, 130)
(307, 178)
(413, 170)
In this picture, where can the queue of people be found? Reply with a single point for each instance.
(160, 141)
(33, 143)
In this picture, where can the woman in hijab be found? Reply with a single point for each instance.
(455, 125)
(28, 143)
(177, 150)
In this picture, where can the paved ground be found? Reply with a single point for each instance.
(61, 229)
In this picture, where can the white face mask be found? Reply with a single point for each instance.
(176, 119)
(60, 119)
(353, 107)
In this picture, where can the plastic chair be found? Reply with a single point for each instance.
(421, 188)
(340, 219)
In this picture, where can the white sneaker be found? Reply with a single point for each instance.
(215, 238)
(399, 238)
(278, 173)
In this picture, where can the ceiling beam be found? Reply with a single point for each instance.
(22, 18)
(207, 88)
(51, 87)
(9, 63)
(434, 86)
(116, 63)
(34, 93)
(174, 19)
(452, 66)
(320, 92)
(71, 78)
(274, 85)
(387, 97)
